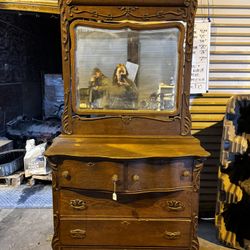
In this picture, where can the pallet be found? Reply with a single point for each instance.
(32, 180)
(13, 180)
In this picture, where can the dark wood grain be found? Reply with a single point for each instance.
(150, 205)
(145, 232)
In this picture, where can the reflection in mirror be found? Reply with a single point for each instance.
(125, 69)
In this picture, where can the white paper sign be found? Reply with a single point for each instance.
(201, 52)
(132, 70)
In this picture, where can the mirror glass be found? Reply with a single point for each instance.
(126, 69)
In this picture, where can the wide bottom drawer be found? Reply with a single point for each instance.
(143, 233)
(122, 248)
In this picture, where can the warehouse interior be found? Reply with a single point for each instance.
(31, 78)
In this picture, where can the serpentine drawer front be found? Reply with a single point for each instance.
(98, 175)
(146, 175)
(127, 176)
(100, 204)
(106, 232)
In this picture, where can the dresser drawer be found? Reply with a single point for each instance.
(121, 248)
(156, 175)
(144, 175)
(144, 233)
(99, 175)
(149, 205)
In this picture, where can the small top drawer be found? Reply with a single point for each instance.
(133, 176)
(159, 175)
(98, 175)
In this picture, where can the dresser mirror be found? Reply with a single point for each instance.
(128, 67)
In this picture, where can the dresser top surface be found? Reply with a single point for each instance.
(126, 147)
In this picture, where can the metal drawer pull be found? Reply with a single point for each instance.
(66, 175)
(175, 205)
(136, 177)
(172, 235)
(90, 164)
(78, 234)
(186, 173)
(78, 204)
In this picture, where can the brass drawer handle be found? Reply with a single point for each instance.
(186, 173)
(172, 235)
(175, 205)
(78, 234)
(66, 175)
(78, 204)
(90, 164)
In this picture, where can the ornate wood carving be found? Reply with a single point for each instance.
(195, 242)
(71, 12)
(186, 121)
(190, 29)
(65, 29)
(196, 175)
(53, 166)
(55, 241)
(66, 120)
(130, 118)
(126, 12)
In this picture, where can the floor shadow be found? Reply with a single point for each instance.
(28, 192)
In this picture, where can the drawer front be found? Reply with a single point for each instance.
(142, 233)
(91, 175)
(156, 175)
(150, 205)
(121, 248)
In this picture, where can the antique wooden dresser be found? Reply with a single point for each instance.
(126, 169)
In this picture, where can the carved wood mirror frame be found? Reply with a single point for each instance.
(110, 11)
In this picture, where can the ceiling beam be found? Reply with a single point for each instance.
(44, 6)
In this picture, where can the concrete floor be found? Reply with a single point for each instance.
(31, 229)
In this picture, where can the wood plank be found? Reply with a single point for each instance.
(216, 95)
(208, 110)
(212, 86)
(209, 101)
(208, 198)
(204, 125)
(209, 169)
(229, 61)
(44, 6)
(231, 16)
(225, 6)
(235, 79)
(214, 131)
(210, 190)
(216, 43)
(231, 25)
(229, 52)
(209, 178)
(214, 147)
(207, 117)
(13, 180)
(209, 138)
(229, 70)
